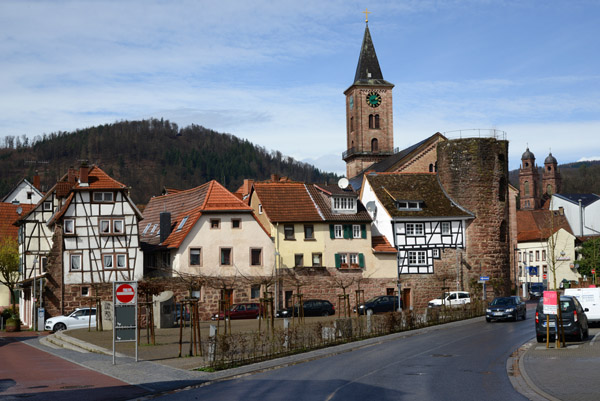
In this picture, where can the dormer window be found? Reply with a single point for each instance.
(344, 204)
(103, 197)
(409, 205)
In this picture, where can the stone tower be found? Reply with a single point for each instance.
(369, 116)
(551, 180)
(529, 179)
(474, 173)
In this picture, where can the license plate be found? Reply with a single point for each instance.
(552, 324)
(498, 313)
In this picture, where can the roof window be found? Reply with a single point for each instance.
(183, 221)
(409, 205)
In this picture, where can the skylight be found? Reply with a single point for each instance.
(183, 221)
(409, 205)
(146, 229)
(153, 228)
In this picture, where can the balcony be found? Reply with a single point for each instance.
(356, 152)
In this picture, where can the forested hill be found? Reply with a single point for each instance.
(577, 178)
(149, 155)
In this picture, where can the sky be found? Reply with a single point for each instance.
(274, 72)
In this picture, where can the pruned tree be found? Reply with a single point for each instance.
(590, 253)
(9, 266)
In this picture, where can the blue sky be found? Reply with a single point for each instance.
(274, 72)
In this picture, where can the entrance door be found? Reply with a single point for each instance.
(227, 297)
(406, 298)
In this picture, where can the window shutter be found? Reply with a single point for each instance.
(347, 231)
(331, 231)
(338, 260)
(363, 231)
(361, 260)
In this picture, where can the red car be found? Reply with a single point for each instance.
(248, 310)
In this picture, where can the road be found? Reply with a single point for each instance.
(464, 362)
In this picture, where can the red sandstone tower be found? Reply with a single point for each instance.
(529, 179)
(369, 116)
(551, 180)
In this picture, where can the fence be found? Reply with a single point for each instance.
(234, 349)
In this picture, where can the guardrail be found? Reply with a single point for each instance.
(476, 133)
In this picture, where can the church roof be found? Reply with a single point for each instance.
(528, 155)
(550, 159)
(367, 70)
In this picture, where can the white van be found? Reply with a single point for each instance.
(589, 298)
(451, 299)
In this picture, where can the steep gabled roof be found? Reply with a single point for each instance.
(9, 215)
(322, 194)
(586, 199)
(285, 202)
(424, 187)
(192, 203)
(397, 159)
(97, 179)
(23, 180)
(538, 225)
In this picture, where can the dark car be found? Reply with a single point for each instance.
(186, 312)
(504, 308)
(311, 307)
(248, 310)
(575, 321)
(536, 290)
(383, 303)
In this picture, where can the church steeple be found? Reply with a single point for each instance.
(369, 115)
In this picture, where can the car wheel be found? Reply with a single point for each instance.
(540, 339)
(60, 327)
(524, 315)
(258, 316)
(325, 313)
(515, 317)
(487, 319)
(586, 333)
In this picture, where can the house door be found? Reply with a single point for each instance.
(227, 298)
(406, 299)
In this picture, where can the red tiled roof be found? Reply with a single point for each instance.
(322, 194)
(538, 225)
(9, 215)
(286, 202)
(98, 179)
(191, 203)
(380, 244)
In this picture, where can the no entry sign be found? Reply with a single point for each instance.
(125, 294)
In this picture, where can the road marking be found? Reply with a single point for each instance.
(594, 339)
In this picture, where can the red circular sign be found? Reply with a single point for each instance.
(545, 277)
(125, 293)
(593, 271)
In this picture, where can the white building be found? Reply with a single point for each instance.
(581, 210)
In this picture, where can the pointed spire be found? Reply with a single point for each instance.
(368, 71)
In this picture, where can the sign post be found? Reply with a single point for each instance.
(550, 308)
(483, 280)
(125, 314)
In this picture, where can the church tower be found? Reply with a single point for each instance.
(551, 180)
(528, 182)
(369, 116)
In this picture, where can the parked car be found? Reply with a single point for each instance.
(536, 290)
(311, 307)
(451, 299)
(186, 312)
(504, 308)
(248, 310)
(78, 319)
(575, 321)
(589, 298)
(383, 303)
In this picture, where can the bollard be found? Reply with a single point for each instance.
(212, 343)
(286, 330)
(369, 323)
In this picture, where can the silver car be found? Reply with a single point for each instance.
(80, 318)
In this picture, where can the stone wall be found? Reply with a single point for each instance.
(474, 173)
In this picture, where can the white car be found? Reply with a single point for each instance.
(451, 299)
(76, 320)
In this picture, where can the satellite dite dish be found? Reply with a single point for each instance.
(19, 210)
(343, 183)
(372, 208)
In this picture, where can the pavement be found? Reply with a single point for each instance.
(539, 373)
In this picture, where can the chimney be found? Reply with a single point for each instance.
(165, 226)
(36, 181)
(71, 176)
(247, 185)
(274, 177)
(83, 175)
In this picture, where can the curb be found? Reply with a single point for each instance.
(63, 340)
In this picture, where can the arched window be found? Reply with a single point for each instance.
(526, 188)
(549, 168)
(502, 190)
(435, 167)
(374, 145)
(371, 121)
(376, 121)
(431, 168)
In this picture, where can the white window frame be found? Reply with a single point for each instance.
(119, 256)
(75, 256)
(356, 232)
(435, 253)
(260, 257)
(342, 203)
(353, 259)
(414, 229)
(65, 223)
(446, 228)
(47, 206)
(343, 259)
(103, 197)
(260, 208)
(338, 231)
(417, 258)
(319, 257)
(199, 256)
(106, 257)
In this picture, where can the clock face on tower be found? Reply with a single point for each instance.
(373, 99)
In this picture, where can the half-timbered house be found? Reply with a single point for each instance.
(80, 237)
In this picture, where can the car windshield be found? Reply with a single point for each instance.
(443, 296)
(373, 300)
(502, 301)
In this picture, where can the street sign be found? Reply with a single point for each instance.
(533, 270)
(125, 294)
(545, 276)
(484, 278)
(550, 303)
(593, 271)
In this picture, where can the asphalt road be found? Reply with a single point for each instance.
(466, 362)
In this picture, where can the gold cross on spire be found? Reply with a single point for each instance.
(367, 12)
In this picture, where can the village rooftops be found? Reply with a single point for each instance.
(538, 225)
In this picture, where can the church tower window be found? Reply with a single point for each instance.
(526, 189)
(374, 145)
